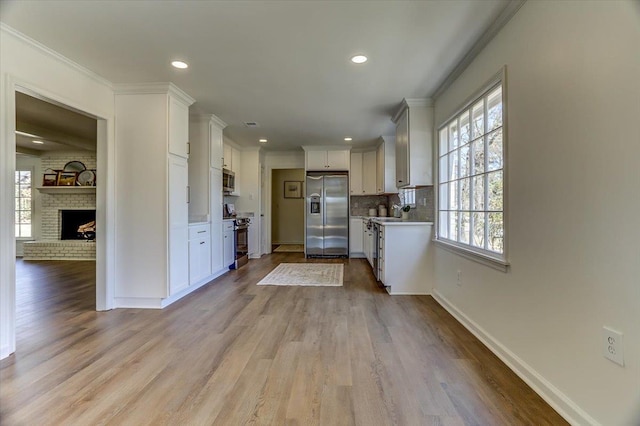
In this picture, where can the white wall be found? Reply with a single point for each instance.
(573, 81)
(249, 199)
(24, 63)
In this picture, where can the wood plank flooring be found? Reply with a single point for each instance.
(233, 353)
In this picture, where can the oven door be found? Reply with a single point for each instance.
(242, 245)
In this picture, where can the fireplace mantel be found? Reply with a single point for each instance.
(67, 189)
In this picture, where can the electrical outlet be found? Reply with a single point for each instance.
(612, 345)
(459, 281)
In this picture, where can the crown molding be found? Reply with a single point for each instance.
(411, 103)
(153, 89)
(199, 116)
(326, 147)
(505, 16)
(6, 29)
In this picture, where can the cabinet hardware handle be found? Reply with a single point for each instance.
(201, 242)
(188, 148)
(188, 194)
(201, 232)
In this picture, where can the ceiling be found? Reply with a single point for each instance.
(59, 129)
(282, 64)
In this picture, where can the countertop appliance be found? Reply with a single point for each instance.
(327, 214)
(241, 249)
(228, 181)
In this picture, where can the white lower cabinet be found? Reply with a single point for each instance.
(228, 249)
(405, 259)
(367, 241)
(199, 253)
(356, 241)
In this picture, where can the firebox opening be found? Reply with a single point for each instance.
(71, 220)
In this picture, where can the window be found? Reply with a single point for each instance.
(407, 197)
(23, 208)
(471, 177)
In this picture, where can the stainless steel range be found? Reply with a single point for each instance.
(241, 230)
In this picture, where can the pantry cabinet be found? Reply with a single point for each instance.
(151, 136)
(414, 143)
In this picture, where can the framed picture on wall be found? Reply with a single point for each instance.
(292, 189)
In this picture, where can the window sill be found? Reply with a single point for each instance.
(483, 259)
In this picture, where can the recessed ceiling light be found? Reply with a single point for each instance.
(348, 139)
(263, 140)
(180, 64)
(38, 142)
(359, 59)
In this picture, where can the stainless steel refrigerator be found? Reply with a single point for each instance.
(327, 214)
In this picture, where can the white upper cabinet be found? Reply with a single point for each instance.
(414, 141)
(386, 166)
(355, 174)
(227, 156)
(178, 127)
(369, 172)
(216, 155)
(205, 135)
(362, 174)
(325, 159)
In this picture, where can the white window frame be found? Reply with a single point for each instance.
(493, 259)
(30, 170)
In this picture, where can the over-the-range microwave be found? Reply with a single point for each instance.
(228, 181)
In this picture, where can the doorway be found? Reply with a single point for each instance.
(287, 210)
(56, 165)
(102, 268)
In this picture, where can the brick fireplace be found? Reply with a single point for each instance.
(50, 245)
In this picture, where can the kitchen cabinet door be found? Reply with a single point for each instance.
(178, 224)
(216, 152)
(369, 173)
(338, 160)
(356, 241)
(228, 244)
(227, 155)
(402, 150)
(355, 174)
(178, 127)
(316, 160)
(217, 232)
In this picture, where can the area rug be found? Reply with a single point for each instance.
(305, 274)
(289, 248)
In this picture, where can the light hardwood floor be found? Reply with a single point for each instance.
(233, 353)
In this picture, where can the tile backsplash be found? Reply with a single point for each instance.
(423, 210)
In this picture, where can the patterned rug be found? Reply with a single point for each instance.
(305, 274)
(289, 248)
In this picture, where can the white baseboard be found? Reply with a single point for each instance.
(560, 402)
(138, 302)
(5, 351)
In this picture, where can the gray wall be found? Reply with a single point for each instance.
(287, 219)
